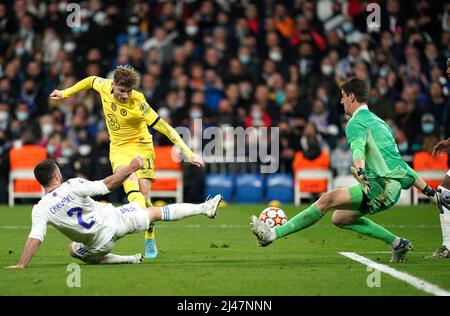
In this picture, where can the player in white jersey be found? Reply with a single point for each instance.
(94, 227)
(443, 146)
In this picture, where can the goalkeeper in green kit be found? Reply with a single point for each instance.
(380, 171)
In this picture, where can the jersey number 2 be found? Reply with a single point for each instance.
(78, 210)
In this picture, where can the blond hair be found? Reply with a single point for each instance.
(125, 76)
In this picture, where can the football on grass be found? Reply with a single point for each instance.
(273, 216)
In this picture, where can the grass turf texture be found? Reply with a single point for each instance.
(199, 256)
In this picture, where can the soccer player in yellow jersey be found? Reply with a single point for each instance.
(128, 116)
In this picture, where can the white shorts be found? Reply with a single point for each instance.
(129, 218)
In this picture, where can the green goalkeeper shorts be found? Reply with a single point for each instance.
(383, 194)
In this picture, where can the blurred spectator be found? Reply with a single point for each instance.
(341, 158)
(311, 142)
(234, 63)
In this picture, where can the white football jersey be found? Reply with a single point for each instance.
(70, 209)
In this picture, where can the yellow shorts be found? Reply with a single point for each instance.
(122, 155)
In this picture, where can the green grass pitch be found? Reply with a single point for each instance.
(199, 256)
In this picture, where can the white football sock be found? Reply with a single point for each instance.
(112, 258)
(445, 222)
(175, 212)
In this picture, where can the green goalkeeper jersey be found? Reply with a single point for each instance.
(371, 139)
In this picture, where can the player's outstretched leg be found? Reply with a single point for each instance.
(443, 252)
(80, 251)
(151, 251)
(177, 211)
(399, 249)
(302, 220)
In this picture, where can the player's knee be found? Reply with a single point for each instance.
(154, 213)
(339, 220)
(325, 201)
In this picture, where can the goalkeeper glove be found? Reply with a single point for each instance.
(361, 177)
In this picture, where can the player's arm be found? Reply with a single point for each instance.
(85, 84)
(356, 137)
(164, 128)
(36, 236)
(441, 147)
(84, 188)
(114, 181)
(31, 246)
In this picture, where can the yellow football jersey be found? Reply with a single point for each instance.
(128, 122)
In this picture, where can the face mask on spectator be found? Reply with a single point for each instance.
(347, 27)
(428, 128)
(257, 115)
(403, 147)
(280, 97)
(84, 150)
(20, 51)
(133, 30)
(69, 47)
(324, 98)
(47, 129)
(66, 152)
(275, 56)
(191, 30)
(22, 116)
(327, 69)
(343, 146)
(383, 90)
(245, 59)
(4, 116)
(51, 149)
(196, 114)
(164, 112)
(17, 143)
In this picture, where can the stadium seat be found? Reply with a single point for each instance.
(219, 184)
(22, 183)
(168, 173)
(279, 186)
(311, 176)
(431, 169)
(249, 188)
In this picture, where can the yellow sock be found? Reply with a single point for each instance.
(133, 194)
(150, 233)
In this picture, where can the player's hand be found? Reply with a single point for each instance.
(197, 160)
(441, 147)
(361, 177)
(136, 163)
(17, 266)
(56, 95)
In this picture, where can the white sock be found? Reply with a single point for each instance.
(175, 212)
(445, 222)
(112, 258)
(395, 243)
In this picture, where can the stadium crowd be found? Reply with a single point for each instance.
(230, 63)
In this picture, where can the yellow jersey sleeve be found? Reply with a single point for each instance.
(85, 84)
(152, 119)
(164, 128)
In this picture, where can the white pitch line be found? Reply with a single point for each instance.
(411, 280)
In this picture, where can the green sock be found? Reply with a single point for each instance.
(367, 227)
(300, 221)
